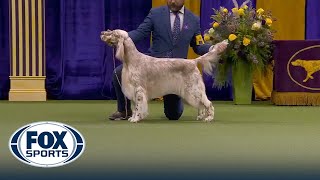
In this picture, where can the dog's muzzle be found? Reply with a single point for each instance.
(108, 40)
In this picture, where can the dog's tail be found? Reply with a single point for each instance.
(210, 59)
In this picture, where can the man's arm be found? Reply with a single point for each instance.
(144, 29)
(197, 42)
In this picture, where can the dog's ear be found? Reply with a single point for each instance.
(120, 48)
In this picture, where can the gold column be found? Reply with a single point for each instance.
(27, 75)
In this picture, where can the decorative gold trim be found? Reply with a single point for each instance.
(33, 39)
(20, 15)
(27, 46)
(295, 98)
(29, 90)
(13, 38)
(40, 43)
(26, 77)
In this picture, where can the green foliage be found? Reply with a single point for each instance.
(250, 39)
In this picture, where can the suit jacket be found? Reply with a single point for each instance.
(158, 23)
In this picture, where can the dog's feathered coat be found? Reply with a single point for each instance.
(145, 77)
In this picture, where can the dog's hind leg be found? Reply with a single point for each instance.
(204, 106)
(141, 105)
(194, 99)
(209, 109)
(195, 95)
(201, 113)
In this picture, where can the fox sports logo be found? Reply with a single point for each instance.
(47, 144)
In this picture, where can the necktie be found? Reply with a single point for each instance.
(176, 28)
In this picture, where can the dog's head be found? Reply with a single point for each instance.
(116, 39)
(113, 38)
(297, 62)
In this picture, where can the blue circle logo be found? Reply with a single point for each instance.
(47, 144)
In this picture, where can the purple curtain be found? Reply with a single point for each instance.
(54, 66)
(312, 19)
(74, 50)
(79, 64)
(4, 49)
(205, 21)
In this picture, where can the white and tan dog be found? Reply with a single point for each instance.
(145, 77)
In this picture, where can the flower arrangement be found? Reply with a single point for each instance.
(250, 36)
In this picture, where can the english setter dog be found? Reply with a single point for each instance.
(145, 77)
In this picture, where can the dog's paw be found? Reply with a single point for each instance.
(201, 114)
(200, 117)
(208, 119)
(134, 120)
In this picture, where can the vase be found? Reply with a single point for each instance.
(242, 82)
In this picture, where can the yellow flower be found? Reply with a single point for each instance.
(245, 7)
(268, 21)
(260, 11)
(241, 12)
(225, 10)
(206, 37)
(215, 24)
(246, 41)
(235, 10)
(232, 37)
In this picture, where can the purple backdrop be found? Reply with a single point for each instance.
(131, 15)
(79, 64)
(74, 50)
(312, 19)
(4, 49)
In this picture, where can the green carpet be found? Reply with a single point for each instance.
(254, 136)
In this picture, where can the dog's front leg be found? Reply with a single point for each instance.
(141, 105)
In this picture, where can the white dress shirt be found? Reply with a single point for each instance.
(173, 17)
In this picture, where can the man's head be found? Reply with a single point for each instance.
(175, 5)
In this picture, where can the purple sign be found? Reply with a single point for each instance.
(297, 66)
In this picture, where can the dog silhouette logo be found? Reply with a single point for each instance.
(310, 66)
(303, 68)
(47, 144)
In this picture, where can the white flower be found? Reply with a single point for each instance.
(256, 26)
(211, 31)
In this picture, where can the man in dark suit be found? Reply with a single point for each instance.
(173, 29)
